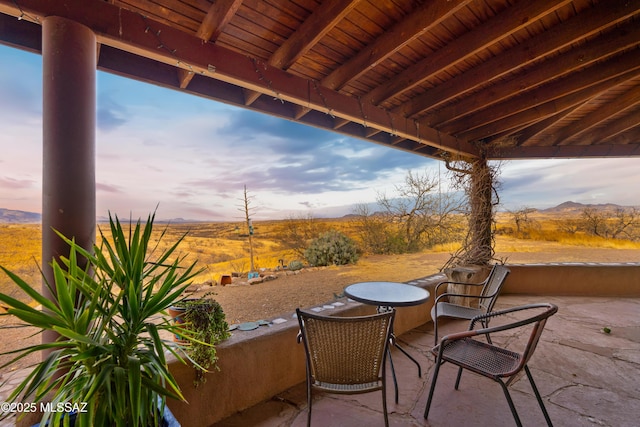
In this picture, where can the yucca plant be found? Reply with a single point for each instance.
(108, 310)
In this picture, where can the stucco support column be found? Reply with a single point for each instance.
(69, 120)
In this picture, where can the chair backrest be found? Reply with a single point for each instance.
(345, 350)
(537, 323)
(492, 287)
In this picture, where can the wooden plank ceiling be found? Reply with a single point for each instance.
(509, 79)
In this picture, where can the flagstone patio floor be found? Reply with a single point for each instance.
(587, 377)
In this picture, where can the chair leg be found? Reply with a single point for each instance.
(433, 387)
(458, 378)
(309, 402)
(393, 374)
(384, 405)
(537, 393)
(510, 402)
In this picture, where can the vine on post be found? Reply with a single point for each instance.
(478, 179)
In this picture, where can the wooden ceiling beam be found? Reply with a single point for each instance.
(567, 152)
(217, 17)
(587, 23)
(627, 100)
(316, 26)
(339, 122)
(371, 132)
(417, 22)
(125, 64)
(321, 120)
(542, 111)
(490, 32)
(526, 134)
(612, 129)
(160, 13)
(20, 33)
(626, 64)
(629, 137)
(598, 49)
(300, 112)
(184, 77)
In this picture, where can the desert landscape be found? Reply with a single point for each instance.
(222, 249)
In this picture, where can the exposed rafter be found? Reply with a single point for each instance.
(310, 32)
(601, 76)
(625, 102)
(545, 110)
(425, 17)
(578, 59)
(492, 31)
(218, 16)
(604, 15)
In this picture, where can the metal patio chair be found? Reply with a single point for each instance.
(491, 287)
(497, 363)
(346, 355)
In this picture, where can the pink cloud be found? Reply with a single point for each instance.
(16, 184)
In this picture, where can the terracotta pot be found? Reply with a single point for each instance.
(176, 314)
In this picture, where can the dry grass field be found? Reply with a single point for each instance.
(222, 248)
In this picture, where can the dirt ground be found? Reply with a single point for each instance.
(281, 296)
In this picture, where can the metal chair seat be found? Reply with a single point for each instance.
(482, 358)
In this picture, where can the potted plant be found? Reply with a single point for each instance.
(107, 308)
(202, 325)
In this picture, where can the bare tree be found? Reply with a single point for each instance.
(418, 210)
(624, 223)
(521, 217)
(594, 222)
(248, 209)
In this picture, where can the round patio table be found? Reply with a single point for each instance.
(386, 295)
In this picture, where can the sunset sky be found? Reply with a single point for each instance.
(192, 157)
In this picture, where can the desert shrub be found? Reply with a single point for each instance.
(332, 248)
(295, 265)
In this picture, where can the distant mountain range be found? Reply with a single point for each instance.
(19, 217)
(573, 207)
(9, 216)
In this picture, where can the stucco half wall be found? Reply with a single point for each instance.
(576, 279)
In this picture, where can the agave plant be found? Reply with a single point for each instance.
(107, 310)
